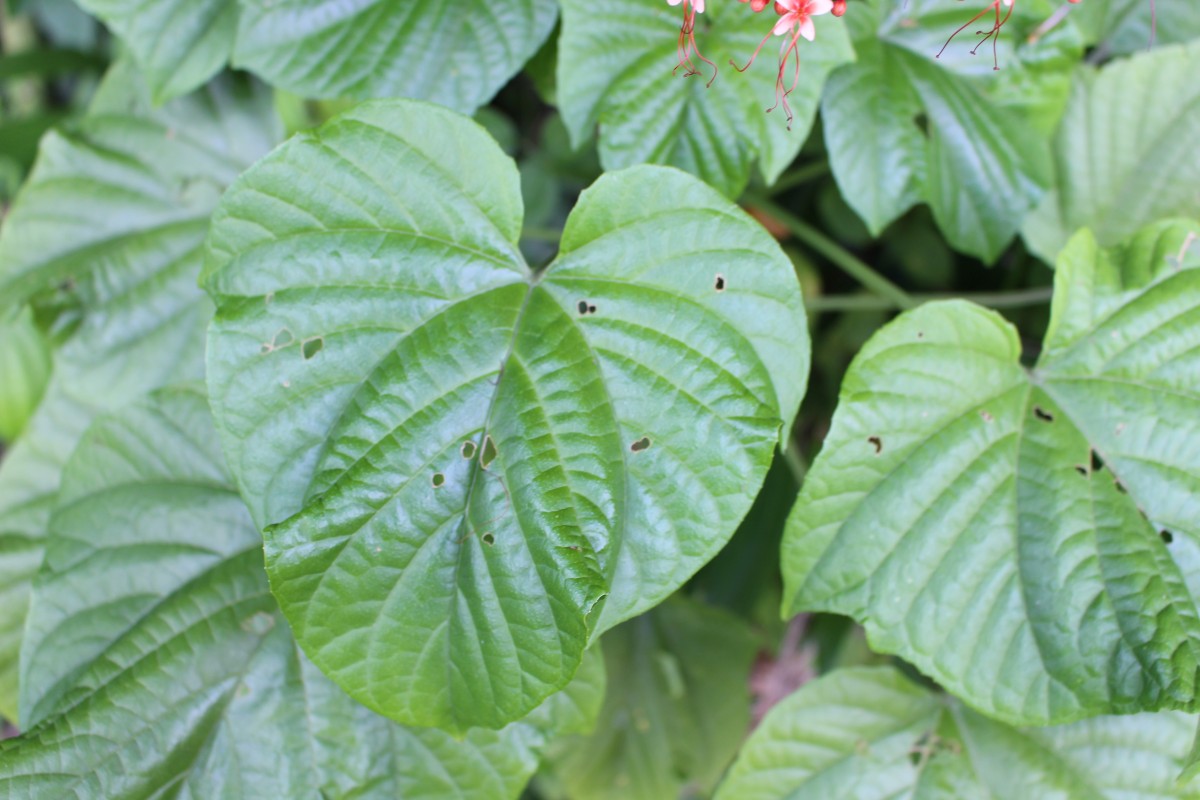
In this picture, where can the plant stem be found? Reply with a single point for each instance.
(843, 258)
(541, 235)
(795, 462)
(800, 175)
(870, 302)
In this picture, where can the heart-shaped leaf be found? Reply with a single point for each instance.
(677, 708)
(872, 733)
(115, 212)
(455, 458)
(968, 511)
(1125, 152)
(458, 54)
(615, 70)
(157, 663)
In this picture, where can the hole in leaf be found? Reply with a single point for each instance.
(591, 309)
(922, 123)
(583, 308)
(1120, 486)
(1097, 462)
(312, 346)
(640, 445)
(488, 538)
(719, 284)
(1043, 414)
(920, 334)
(439, 480)
(1081, 469)
(1166, 536)
(468, 450)
(877, 443)
(489, 452)
(282, 339)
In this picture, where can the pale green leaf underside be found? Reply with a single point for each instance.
(871, 734)
(157, 663)
(1125, 151)
(458, 54)
(117, 209)
(677, 708)
(616, 71)
(971, 513)
(379, 341)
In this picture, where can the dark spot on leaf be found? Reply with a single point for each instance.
(468, 450)
(591, 309)
(640, 445)
(312, 346)
(920, 334)
(1097, 462)
(719, 284)
(489, 452)
(1081, 469)
(877, 443)
(1043, 414)
(922, 123)
(1120, 486)
(583, 307)
(488, 538)
(439, 480)
(1166, 536)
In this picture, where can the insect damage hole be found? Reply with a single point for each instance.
(641, 444)
(488, 538)
(312, 346)
(489, 452)
(719, 283)
(1043, 414)
(467, 450)
(439, 480)
(1097, 462)
(877, 443)
(585, 308)
(1166, 536)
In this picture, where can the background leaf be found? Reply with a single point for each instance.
(615, 71)
(870, 732)
(159, 662)
(115, 214)
(677, 709)
(1123, 153)
(968, 511)
(24, 371)
(453, 459)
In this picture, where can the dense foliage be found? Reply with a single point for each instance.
(429, 399)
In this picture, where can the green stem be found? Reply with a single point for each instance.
(870, 302)
(795, 462)
(800, 175)
(541, 234)
(843, 258)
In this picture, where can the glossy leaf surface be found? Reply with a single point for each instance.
(157, 660)
(970, 512)
(872, 734)
(616, 72)
(115, 212)
(455, 460)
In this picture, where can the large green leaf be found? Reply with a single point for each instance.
(871, 734)
(457, 54)
(677, 708)
(1125, 153)
(455, 459)
(116, 211)
(615, 70)
(157, 663)
(1028, 538)
(903, 126)
(179, 44)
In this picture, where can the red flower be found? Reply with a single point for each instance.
(795, 20)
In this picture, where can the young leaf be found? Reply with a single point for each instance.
(157, 661)
(115, 213)
(870, 732)
(1025, 537)
(678, 707)
(477, 455)
(614, 70)
(1125, 150)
